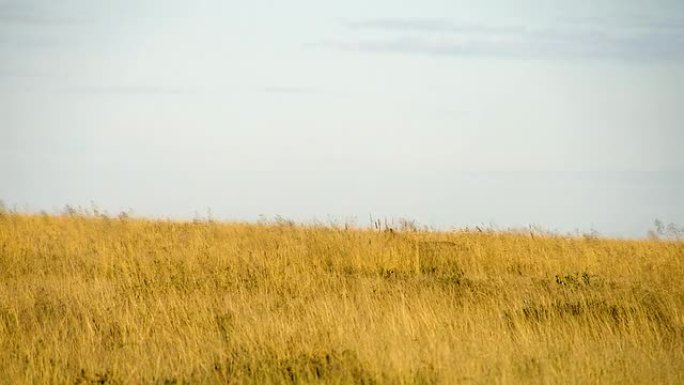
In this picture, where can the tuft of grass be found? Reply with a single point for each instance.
(102, 300)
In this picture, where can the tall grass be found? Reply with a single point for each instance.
(126, 301)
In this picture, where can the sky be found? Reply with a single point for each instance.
(563, 115)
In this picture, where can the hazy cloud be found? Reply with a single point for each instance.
(21, 74)
(34, 25)
(291, 90)
(580, 37)
(31, 12)
(127, 90)
(427, 25)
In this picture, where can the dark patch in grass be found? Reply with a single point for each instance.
(618, 314)
(100, 378)
(224, 324)
(577, 280)
(335, 366)
(343, 366)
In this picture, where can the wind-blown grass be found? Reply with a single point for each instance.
(125, 301)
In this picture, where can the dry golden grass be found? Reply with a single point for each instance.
(126, 301)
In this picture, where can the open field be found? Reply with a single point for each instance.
(88, 299)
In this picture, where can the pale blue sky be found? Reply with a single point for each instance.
(566, 115)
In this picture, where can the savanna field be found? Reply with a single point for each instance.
(88, 299)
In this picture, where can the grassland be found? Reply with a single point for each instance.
(88, 299)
